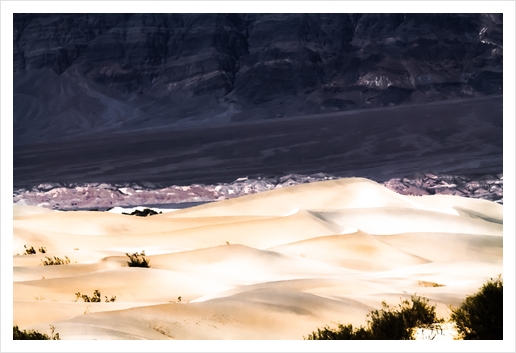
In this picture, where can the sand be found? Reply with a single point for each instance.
(270, 266)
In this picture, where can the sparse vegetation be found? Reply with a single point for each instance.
(111, 300)
(341, 333)
(385, 324)
(32, 251)
(388, 324)
(137, 260)
(430, 284)
(480, 317)
(95, 298)
(34, 335)
(29, 251)
(55, 261)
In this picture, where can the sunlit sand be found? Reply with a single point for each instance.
(274, 265)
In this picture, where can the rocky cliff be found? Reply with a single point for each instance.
(95, 73)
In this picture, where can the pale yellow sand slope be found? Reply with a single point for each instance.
(79, 222)
(359, 251)
(441, 247)
(260, 233)
(259, 314)
(331, 194)
(274, 265)
(403, 220)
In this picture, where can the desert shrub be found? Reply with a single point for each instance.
(93, 299)
(385, 324)
(55, 261)
(480, 317)
(34, 335)
(137, 260)
(42, 249)
(112, 300)
(398, 323)
(29, 251)
(340, 333)
(430, 284)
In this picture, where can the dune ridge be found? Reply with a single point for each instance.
(274, 265)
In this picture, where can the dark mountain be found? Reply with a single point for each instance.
(90, 74)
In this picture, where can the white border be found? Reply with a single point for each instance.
(10, 7)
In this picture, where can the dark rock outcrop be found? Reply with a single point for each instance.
(98, 73)
(143, 213)
(487, 187)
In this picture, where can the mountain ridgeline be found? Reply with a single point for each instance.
(83, 74)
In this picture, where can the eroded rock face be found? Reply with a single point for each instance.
(488, 187)
(98, 196)
(91, 73)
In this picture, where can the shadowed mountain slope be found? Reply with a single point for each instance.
(94, 73)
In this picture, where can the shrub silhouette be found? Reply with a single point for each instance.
(29, 251)
(385, 324)
(94, 299)
(42, 249)
(341, 333)
(143, 213)
(34, 335)
(480, 317)
(137, 260)
(55, 261)
(112, 300)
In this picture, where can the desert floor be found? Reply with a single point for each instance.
(456, 137)
(270, 266)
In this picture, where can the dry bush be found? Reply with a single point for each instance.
(29, 251)
(95, 298)
(480, 317)
(34, 335)
(385, 324)
(55, 261)
(137, 260)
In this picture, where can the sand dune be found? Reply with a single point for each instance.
(358, 251)
(332, 194)
(260, 234)
(244, 264)
(486, 209)
(339, 288)
(79, 222)
(274, 265)
(259, 314)
(52, 311)
(391, 220)
(441, 247)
